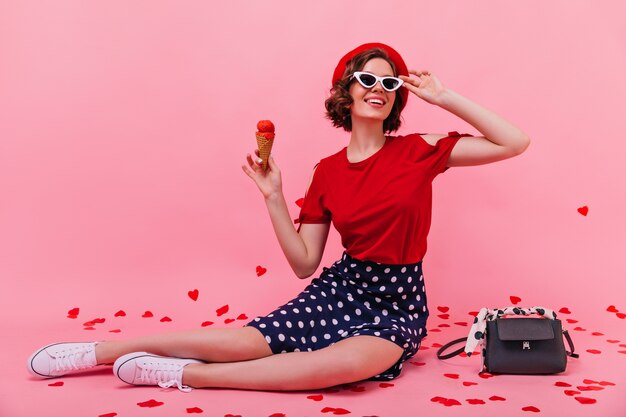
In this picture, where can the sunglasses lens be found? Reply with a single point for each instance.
(367, 80)
(390, 83)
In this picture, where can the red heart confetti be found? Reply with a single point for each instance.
(147, 314)
(612, 341)
(237, 415)
(418, 363)
(565, 310)
(260, 270)
(453, 376)
(242, 317)
(278, 415)
(622, 351)
(318, 397)
(386, 385)
(496, 398)
(589, 381)
(583, 210)
(195, 410)
(444, 325)
(228, 321)
(115, 331)
(206, 323)
(562, 384)
(612, 309)
(444, 316)
(531, 408)
(469, 384)
(448, 402)
(300, 202)
(485, 375)
(443, 309)
(475, 401)
(150, 403)
(515, 299)
(120, 313)
(436, 345)
(606, 383)
(585, 400)
(435, 330)
(594, 351)
(579, 329)
(89, 328)
(56, 384)
(165, 319)
(621, 315)
(572, 321)
(461, 323)
(589, 388)
(597, 334)
(571, 392)
(73, 313)
(473, 313)
(193, 294)
(108, 415)
(222, 310)
(335, 410)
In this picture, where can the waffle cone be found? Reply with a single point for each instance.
(265, 148)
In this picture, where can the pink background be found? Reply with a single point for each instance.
(124, 125)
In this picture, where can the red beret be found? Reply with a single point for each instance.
(395, 57)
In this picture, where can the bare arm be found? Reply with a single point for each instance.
(303, 250)
(501, 138)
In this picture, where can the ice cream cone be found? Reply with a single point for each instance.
(265, 148)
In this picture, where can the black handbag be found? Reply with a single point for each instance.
(521, 346)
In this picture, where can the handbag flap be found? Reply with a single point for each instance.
(524, 329)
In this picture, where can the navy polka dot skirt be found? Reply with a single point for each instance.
(352, 298)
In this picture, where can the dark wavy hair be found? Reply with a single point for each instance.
(338, 104)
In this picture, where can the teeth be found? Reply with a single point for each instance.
(375, 101)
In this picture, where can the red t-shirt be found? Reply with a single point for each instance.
(380, 206)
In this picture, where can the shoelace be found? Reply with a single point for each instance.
(71, 359)
(162, 374)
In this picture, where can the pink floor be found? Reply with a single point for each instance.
(592, 385)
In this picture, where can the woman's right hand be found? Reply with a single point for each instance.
(269, 182)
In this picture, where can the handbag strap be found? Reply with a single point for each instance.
(447, 345)
(440, 354)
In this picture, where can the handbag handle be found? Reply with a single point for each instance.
(440, 354)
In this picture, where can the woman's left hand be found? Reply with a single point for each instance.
(426, 86)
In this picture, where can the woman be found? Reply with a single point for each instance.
(366, 314)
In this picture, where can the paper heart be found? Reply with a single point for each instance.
(606, 383)
(572, 321)
(222, 310)
(150, 403)
(531, 408)
(583, 210)
(56, 384)
(147, 314)
(485, 375)
(443, 309)
(473, 313)
(579, 329)
(621, 315)
(108, 415)
(461, 323)
(333, 410)
(278, 415)
(589, 388)
(571, 393)
(115, 331)
(515, 299)
(418, 363)
(228, 321)
(234, 415)
(260, 270)
(444, 325)
(443, 316)
(594, 351)
(475, 401)
(612, 341)
(585, 400)
(610, 309)
(597, 334)
(318, 397)
(165, 319)
(496, 398)
(469, 384)
(565, 310)
(120, 313)
(206, 323)
(589, 381)
(453, 376)
(242, 317)
(89, 328)
(195, 410)
(193, 294)
(300, 202)
(562, 384)
(386, 385)
(73, 313)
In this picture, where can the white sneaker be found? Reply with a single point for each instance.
(61, 359)
(142, 368)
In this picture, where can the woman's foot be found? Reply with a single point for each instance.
(60, 359)
(142, 368)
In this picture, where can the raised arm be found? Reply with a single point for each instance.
(500, 140)
(303, 250)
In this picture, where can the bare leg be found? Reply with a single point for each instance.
(210, 345)
(350, 360)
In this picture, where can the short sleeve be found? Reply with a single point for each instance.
(443, 149)
(313, 209)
